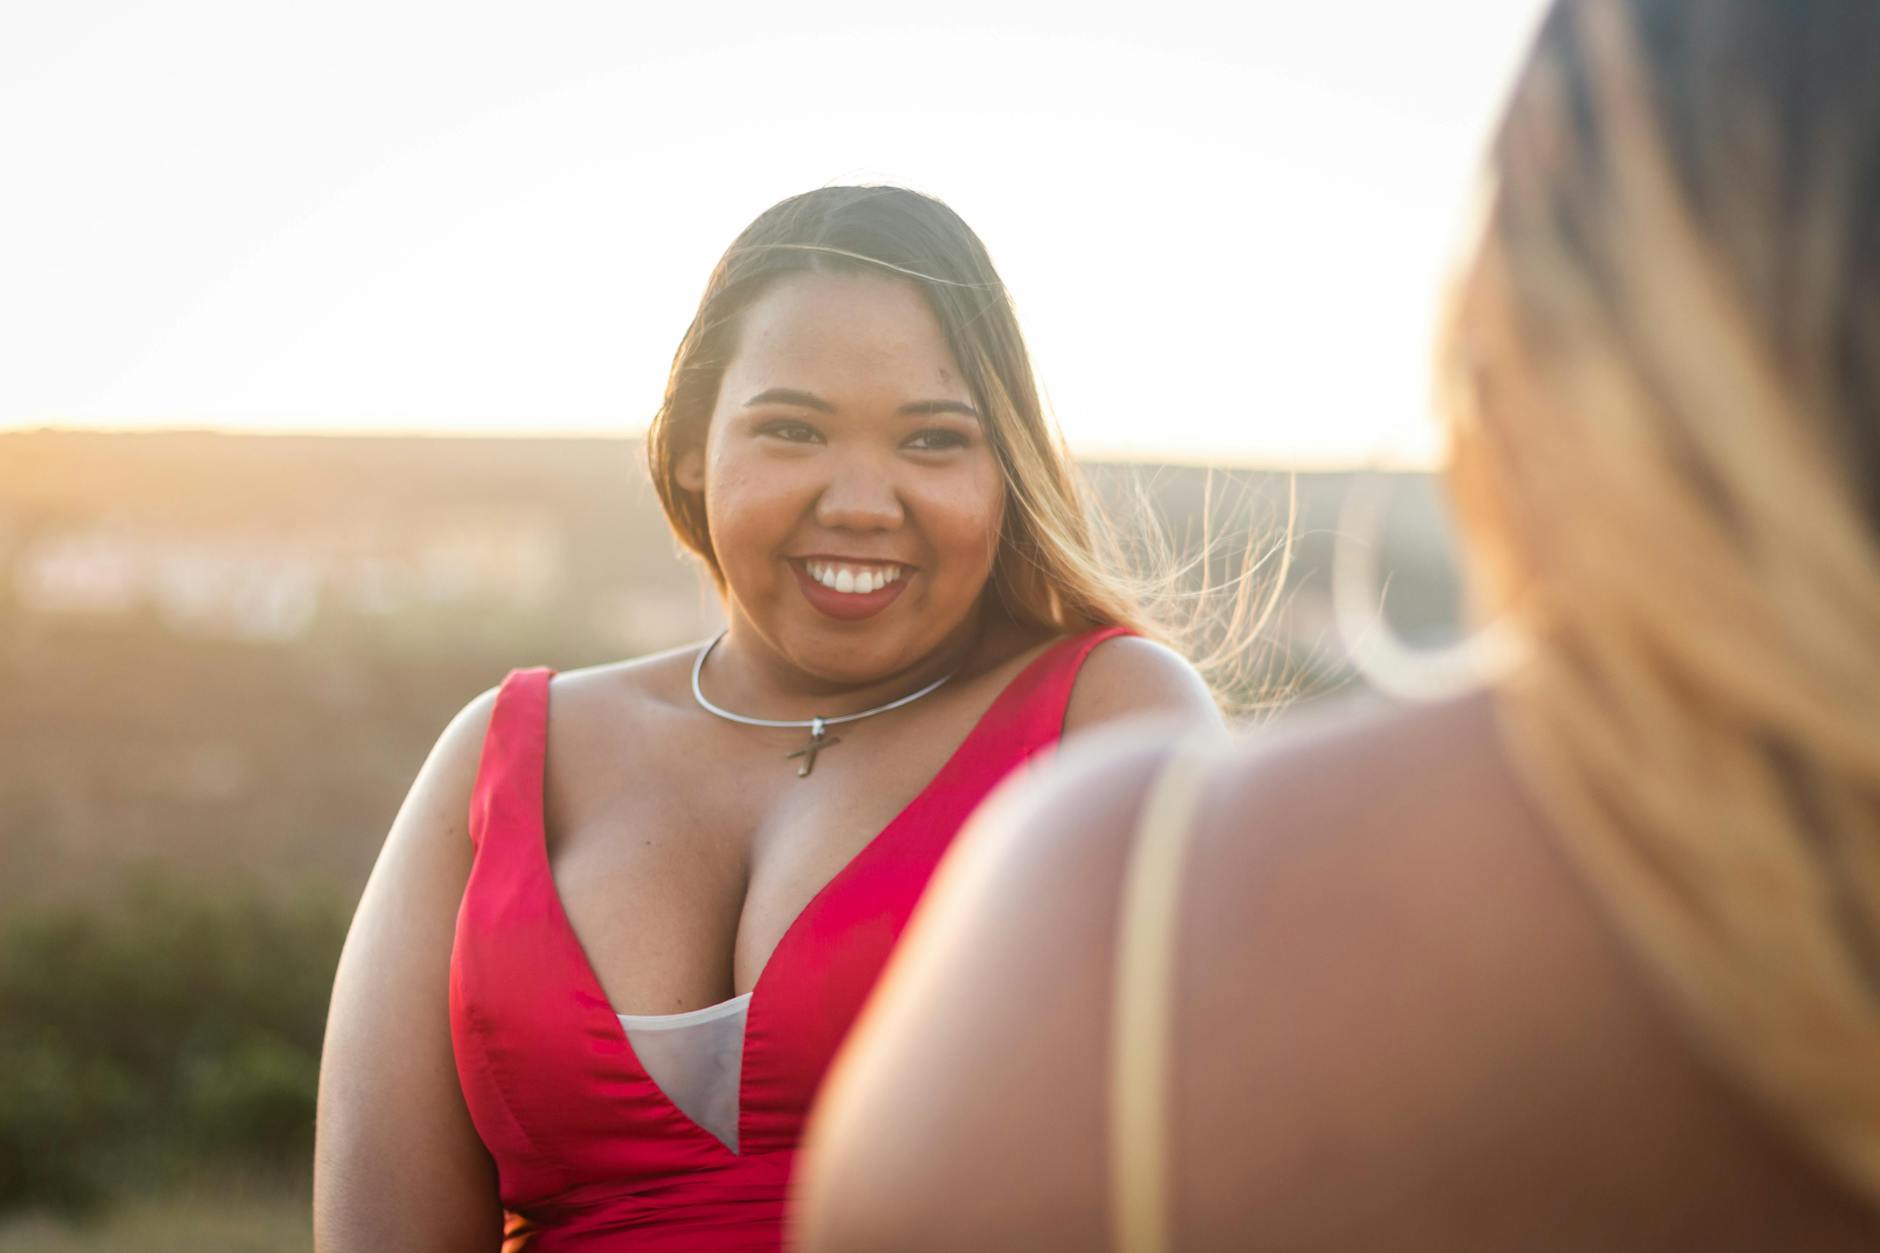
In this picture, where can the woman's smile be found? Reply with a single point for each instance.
(845, 575)
(849, 591)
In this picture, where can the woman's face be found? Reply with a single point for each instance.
(853, 499)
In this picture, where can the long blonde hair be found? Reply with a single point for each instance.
(1061, 564)
(1664, 381)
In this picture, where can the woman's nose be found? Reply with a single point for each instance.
(859, 497)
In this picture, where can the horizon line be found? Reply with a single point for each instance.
(1107, 454)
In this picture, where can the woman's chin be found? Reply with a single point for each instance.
(865, 658)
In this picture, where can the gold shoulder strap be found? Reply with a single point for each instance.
(1141, 1025)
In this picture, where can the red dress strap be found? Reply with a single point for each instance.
(1029, 714)
(508, 791)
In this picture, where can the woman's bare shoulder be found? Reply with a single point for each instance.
(434, 815)
(601, 703)
(1396, 1004)
(662, 677)
(1132, 676)
(436, 809)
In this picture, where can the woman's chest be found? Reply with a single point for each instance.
(683, 883)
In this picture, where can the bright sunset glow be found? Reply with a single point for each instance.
(1226, 234)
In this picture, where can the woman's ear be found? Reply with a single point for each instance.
(688, 469)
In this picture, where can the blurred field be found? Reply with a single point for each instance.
(227, 1221)
(222, 660)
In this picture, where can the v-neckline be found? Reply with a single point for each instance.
(595, 993)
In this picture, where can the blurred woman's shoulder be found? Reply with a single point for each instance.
(1395, 1009)
(1459, 1011)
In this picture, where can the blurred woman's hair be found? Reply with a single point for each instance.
(1663, 373)
(1060, 564)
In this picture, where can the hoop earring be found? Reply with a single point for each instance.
(1375, 651)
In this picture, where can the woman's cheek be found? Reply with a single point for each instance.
(967, 520)
(750, 497)
(745, 524)
(989, 516)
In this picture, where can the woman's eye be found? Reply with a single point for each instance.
(790, 432)
(937, 440)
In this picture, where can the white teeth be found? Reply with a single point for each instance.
(852, 580)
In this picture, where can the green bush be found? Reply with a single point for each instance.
(159, 1032)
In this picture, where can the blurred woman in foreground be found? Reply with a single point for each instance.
(1587, 959)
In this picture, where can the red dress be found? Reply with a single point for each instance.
(590, 1153)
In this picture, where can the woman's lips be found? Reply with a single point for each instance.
(846, 606)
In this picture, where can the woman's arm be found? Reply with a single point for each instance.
(397, 1163)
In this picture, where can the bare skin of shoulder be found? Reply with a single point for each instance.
(1400, 1022)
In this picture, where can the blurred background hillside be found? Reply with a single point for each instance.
(230, 653)
(222, 659)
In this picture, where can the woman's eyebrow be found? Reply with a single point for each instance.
(927, 408)
(790, 396)
(809, 400)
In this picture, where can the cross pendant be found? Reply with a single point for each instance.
(819, 739)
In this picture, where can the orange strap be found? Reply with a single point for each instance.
(1142, 1022)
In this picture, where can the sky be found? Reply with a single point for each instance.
(1226, 227)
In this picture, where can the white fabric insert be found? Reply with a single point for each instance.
(697, 1059)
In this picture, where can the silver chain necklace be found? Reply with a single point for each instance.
(818, 728)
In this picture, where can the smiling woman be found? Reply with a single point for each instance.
(591, 992)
